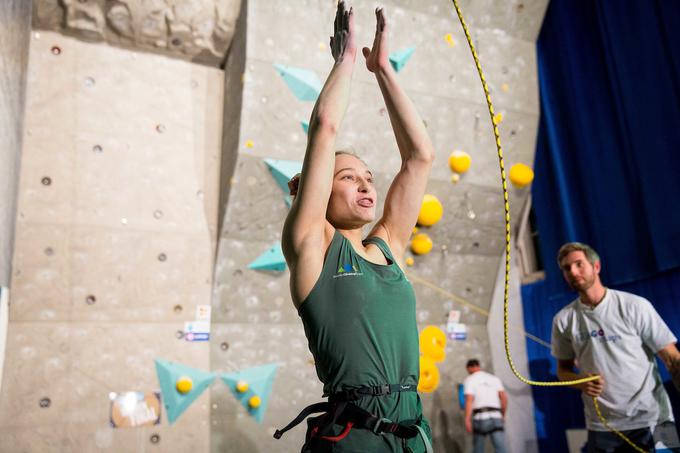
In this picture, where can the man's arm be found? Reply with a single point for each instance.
(504, 402)
(565, 372)
(670, 357)
(468, 412)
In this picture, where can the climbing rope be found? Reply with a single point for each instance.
(496, 132)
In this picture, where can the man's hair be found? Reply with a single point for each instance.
(588, 251)
(472, 363)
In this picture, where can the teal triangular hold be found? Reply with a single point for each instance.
(399, 58)
(260, 380)
(271, 260)
(305, 126)
(168, 373)
(282, 171)
(304, 83)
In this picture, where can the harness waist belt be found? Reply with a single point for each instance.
(479, 410)
(374, 390)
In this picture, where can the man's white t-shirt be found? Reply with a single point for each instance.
(618, 339)
(484, 387)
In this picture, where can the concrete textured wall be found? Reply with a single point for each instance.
(197, 30)
(115, 242)
(15, 20)
(252, 310)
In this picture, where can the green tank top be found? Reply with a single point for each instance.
(361, 326)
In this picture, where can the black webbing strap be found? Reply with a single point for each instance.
(304, 413)
(374, 390)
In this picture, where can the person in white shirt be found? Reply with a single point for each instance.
(615, 335)
(485, 405)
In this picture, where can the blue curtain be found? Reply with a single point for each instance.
(607, 167)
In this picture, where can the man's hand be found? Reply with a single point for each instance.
(593, 388)
(343, 43)
(468, 425)
(377, 58)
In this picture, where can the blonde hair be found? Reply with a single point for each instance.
(588, 251)
(349, 152)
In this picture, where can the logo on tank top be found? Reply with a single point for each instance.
(347, 270)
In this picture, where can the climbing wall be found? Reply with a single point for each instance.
(284, 60)
(115, 242)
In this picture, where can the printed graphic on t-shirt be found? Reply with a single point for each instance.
(347, 270)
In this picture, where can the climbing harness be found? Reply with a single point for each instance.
(501, 163)
(340, 410)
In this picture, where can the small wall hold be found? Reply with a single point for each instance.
(184, 384)
(254, 402)
(459, 161)
(177, 308)
(449, 39)
(162, 257)
(157, 214)
(90, 300)
(155, 438)
(421, 244)
(242, 386)
(97, 149)
(89, 82)
(409, 261)
(45, 403)
(224, 346)
(431, 211)
(521, 175)
(271, 260)
(49, 251)
(399, 58)
(304, 84)
(56, 50)
(46, 181)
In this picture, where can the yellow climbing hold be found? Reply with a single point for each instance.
(449, 39)
(521, 175)
(184, 385)
(254, 402)
(459, 161)
(455, 178)
(505, 87)
(431, 211)
(415, 230)
(409, 261)
(433, 343)
(497, 119)
(249, 144)
(242, 386)
(421, 244)
(429, 375)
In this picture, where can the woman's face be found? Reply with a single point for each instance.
(353, 197)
